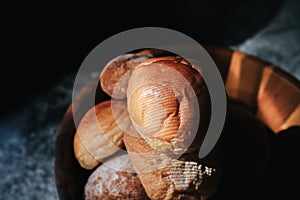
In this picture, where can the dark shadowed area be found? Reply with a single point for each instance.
(45, 44)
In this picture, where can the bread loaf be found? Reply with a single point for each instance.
(164, 97)
(162, 117)
(98, 136)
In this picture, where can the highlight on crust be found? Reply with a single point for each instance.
(162, 122)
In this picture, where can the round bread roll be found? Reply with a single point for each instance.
(114, 77)
(165, 97)
(115, 179)
(98, 135)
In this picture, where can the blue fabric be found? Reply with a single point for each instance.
(279, 42)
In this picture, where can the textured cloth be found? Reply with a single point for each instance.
(279, 42)
(27, 146)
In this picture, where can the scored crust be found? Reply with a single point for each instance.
(169, 108)
(162, 98)
(165, 178)
(166, 96)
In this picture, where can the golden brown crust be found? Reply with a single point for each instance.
(114, 77)
(164, 97)
(163, 94)
(166, 178)
(145, 163)
(98, 136)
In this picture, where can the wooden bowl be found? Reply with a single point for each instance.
(265, 91)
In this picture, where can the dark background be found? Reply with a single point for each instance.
(44, 42)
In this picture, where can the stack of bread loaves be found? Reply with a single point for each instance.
(159, 113)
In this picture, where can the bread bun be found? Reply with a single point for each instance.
(164, 98)
(98, 136)
(114, 77)
(115, 179)
(165, 178)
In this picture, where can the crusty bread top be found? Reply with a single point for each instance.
(114, 77)
(164, 95)
(98, 136)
